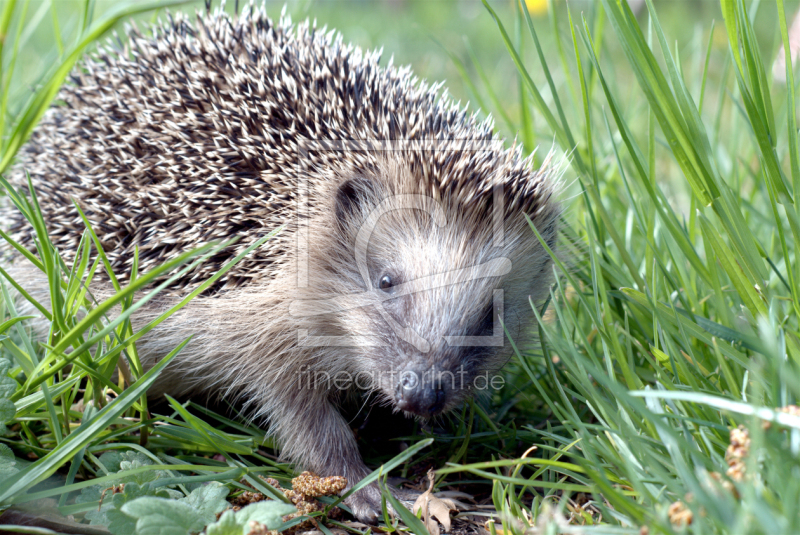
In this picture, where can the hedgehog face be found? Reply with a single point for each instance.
(437, 291)
(438, 311)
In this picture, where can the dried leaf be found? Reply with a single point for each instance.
(440, 510)
(455, 494)
(436, 509)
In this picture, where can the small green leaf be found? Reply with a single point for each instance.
(112, 460)
(7, 385)
(5, 365)
(140, 477)
(142, 508)
(7, 413)
(208, 500)
(118, 463)
(268, 513)
(7, 462)
(110, 514)
(136, 486)
(226, 525)
(159, 516)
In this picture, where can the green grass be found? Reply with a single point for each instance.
(677, 318)
(674, 318)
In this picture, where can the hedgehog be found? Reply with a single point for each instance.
(403, 256)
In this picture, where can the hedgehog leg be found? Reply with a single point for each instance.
(366, 503)
(314, 434)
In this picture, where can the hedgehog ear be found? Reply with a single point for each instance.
(350, 198)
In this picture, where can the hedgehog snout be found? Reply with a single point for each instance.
(421, 392)
(426, 387)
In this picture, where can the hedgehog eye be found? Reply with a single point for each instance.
(386, 283)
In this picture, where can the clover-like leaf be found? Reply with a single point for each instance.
(7, 413)
(134, 459)
(269, 513)
(208, 500)
(7, 463)
(109, 513)
(7, 385)
(117, 463)
(226, 525)
(117, 522)
(159, 516)
(111, 460)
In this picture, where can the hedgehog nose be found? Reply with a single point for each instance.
(420, 393)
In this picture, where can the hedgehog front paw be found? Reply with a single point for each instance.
(366, 503)
(406, 496)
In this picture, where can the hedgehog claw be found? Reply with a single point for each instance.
(366, 503)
